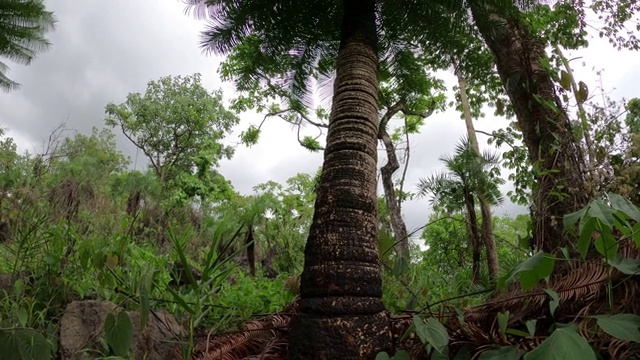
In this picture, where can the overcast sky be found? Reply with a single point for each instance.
(103, 50)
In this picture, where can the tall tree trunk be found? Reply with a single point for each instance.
(341, 315)
(545, 127)
(474, 235)
(488, 238)
(397, 223)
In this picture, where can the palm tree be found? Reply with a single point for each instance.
(467, 180)
(341, 285)
(488, 238)
(23, 24)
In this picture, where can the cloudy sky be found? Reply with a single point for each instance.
(103, 50)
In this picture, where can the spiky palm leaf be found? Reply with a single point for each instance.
(293, 57)
(466, 172)
(23, 24)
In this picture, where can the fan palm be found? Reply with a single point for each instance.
(469, 178)
(23, 24)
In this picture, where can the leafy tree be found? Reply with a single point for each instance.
(179, 126)
(546, 128)
(468, 178)
(23, 24)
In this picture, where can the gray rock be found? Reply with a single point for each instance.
(81, 331)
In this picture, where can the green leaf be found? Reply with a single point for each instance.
(532, 270)
(144, 307)
(583, 92)
(24, 344)
(565, 80)
(401, 355)
(503, 321)
(628, 266)
(33, 345)
(503, 353)
(600, 210)
(621, 326)
(571, 219)
(586, 230)
(531, 327)
(564, 343)
(118, 333)
(382, 356)
(555, 300)
(463, 354)
(605, 243)
(432, 332)
(624, 205)
(8, 345)
(636, 234)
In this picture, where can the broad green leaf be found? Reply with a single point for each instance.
(432, 332)
(532, 270)
(555, 300)
(118, 333)
(9, 347)
(586, 231)
(23, 316)
(626, 266)
(564, 343)
(620, 203)
(503, 353)
(621, 326)
(605, 243)
(33, 345)
(600, 210)
(571, 219)
(382, 356)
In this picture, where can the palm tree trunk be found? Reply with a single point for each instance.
(545, 127)
(488, 238)
(474, 235)
(341, 315)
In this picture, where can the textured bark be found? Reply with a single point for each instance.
(488, 238)
(545, 126)
(474, 236)
(395, 212)
(341, 311)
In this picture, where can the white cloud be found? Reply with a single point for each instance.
(104, 50)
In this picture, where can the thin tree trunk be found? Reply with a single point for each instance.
(474, 236)
(582, 115)
(341, 315)
(397, 223)
(546, 129)
(488, 238)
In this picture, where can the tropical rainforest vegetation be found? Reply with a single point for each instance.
(323, 266)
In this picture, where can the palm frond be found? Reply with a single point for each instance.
(23, 24)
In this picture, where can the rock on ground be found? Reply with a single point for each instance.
(81, 331)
